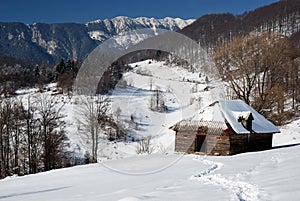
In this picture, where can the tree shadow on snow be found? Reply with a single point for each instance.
(31, 193)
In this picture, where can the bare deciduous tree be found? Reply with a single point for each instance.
(49, 120)
(255, 67)
(157, 102)
(95, 116)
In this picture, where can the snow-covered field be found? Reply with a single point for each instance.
(268, 175)
(164, 175)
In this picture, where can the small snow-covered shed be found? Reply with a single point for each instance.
(234, 127)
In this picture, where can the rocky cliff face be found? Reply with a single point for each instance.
(50, 42)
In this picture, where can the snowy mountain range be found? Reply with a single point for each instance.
(103, 29)
(50, 42)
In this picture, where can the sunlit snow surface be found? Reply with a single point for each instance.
(232, 109)
(269, 175)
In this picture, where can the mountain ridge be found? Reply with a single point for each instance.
(40, 42)
(212, 29)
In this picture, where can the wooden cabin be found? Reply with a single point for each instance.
(240, 129)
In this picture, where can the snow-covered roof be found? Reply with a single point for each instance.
(233, 109)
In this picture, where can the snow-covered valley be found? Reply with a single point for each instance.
(122, 174)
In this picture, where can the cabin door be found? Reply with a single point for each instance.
(201, 143)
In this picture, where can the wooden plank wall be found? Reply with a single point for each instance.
(224, 144)
(185, 141)
(218, 145)
(255, 142)
(260, 142)
(215, 145)
(238, 143)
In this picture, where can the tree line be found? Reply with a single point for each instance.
(32, 138)
(15, 74)
(32, 135)
(262, 70)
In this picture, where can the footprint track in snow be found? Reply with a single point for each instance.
(241, 190)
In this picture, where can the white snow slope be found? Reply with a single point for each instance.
(164, 175)
(269, 175)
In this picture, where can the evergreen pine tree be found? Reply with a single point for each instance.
(69, 66)
(60, 68)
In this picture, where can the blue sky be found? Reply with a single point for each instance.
(81, 11)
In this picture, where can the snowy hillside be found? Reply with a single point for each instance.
(124, 175)
(181, 92)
